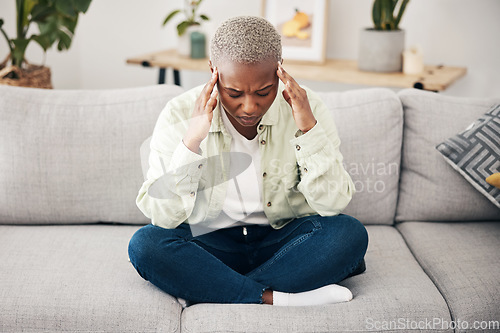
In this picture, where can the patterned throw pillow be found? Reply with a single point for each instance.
(475, 153)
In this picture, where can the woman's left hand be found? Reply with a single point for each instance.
(296, 96)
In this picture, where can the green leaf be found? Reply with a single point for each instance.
(19, 50)
(65, 7)
(204, 17)
(48, 26)
(181, 27)
(27, 8)
(81, 5)
(43, 41)
(377, 14)
(64, 41)
(394, 4)
(49, 31)
(29, 4)
(387, 18)
(39, 13)
(171, 15)
(21, 43)
(400, 13)
(7, 39)
(69, 23)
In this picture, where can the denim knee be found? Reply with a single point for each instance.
(359, 233)
(348, 228)
(138, 248)
(152, 241)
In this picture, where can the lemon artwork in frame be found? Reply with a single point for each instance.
(302, 26)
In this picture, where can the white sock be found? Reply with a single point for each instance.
(330, 294)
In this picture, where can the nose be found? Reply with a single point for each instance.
(249, 105)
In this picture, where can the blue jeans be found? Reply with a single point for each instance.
(237, 264)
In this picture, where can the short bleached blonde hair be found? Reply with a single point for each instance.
(245, 40)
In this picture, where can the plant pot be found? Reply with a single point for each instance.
(381, 51)
(32, 76)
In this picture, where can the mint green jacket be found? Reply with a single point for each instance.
(302, 173)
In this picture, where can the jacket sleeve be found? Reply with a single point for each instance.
(169, 192)
(324, 182)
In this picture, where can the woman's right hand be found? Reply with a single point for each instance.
(201, 119)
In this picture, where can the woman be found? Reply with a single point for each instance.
(250, 212)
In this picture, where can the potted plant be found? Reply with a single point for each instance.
(56, 21)
(381, 47)
(184, 28)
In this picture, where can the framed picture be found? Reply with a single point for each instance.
(302, 25)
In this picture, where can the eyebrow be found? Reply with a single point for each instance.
(239, 91)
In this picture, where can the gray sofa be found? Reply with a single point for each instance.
(70, 170)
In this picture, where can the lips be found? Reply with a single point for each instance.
(248, 120)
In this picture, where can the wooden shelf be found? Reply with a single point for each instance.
(436, 78)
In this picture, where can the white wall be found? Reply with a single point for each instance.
(451, 32)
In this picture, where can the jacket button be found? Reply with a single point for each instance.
(297, 147)
(192, 194)
(262, 142)
(264, 174)
(261, 127)
(269, 204)
(305, 170)
(200, 166)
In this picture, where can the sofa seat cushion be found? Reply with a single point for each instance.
(393, 287)
(72, 156)
(370, 127)
(462, 260)
(77, 279)
(430, 189)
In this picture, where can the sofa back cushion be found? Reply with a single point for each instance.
(430, 189)
(73, 156)
(370, 126)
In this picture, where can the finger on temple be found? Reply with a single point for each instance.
(209, 87)
(286, 96)
(212, 102)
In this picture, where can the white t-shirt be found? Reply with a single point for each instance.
(244, 191)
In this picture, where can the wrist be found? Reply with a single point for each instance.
(192, 144)
(306, 128)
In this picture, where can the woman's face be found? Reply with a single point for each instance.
(247, 91)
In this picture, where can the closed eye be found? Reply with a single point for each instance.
(233, 93)
(262, 92)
